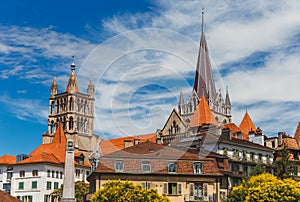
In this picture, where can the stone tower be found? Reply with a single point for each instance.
(204, 85)
(75, 111)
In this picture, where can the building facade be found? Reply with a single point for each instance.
(181, 175)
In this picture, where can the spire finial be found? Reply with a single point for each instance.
(203, 9)
(73, 65)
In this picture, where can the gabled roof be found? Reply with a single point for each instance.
(4, 197)
(297, 134)
(7, 159)
(247, 126)
(109, 146)
(174, 111)
(203, 83)
(154, 151)
(203, 115)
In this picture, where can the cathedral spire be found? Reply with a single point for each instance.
(227, 99)
(203, 82)
(72, 83)
(181, 102)
(91, 88)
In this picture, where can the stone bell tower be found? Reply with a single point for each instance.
(75, 111)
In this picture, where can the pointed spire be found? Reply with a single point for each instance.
(72, 83)
(91, 88)
(247, 126)
(203, 82)
(59, 136)
(227, 99)
(203, 115)
(297, 134)
(181, 99)
(54, 87)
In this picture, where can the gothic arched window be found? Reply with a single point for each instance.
(57, 106)
(85, 126)
(85, 109)
(71, 107)
(71, 123)
(52, 110)
(52, 127)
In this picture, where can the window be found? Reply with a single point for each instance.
(60, 175)
(57, 174)
(198, 168)
(48, 173)
(225, 151)
(119, 167)
(34, 185)
(21, 185)
(146, 185)
(196, 191)
(22, 173)
(220, 163)
(273, 144)
(53, 173)
(172, 188)
(146, 167)
(77, 173)
(172, 167)
(55, 185)
(48, 185)
(35, 173)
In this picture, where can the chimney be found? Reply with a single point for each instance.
(280, 136)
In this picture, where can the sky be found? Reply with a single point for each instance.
(140, 54)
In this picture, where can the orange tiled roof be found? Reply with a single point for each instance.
(247, 126)
(203, 115)
(297, 134)
(4, 197)
(290, 143)
(109, 146)
(233, 128)
(53, 152)
(7, 159)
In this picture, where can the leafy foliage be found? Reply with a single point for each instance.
(266, 187)
(118, 191)
(81, 189)
(284, 167)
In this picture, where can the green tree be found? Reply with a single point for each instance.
(284, 167)
(256, 170)
(266, 187)
(118, 191)
(81, 189)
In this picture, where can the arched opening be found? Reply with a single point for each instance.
(57, 106)
(52, 127)
(71, 107)
(85, 126)
(52, 110)
(85, 109)
(71, 123)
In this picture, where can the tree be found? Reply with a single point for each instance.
(284, 167)
(266, 187)
(256, 170)
(81, 189)
(118, 191)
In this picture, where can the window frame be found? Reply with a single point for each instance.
(22, 173)
(48, 185)
(34, 184)
(144, 165)
(21, 186)
(35, 173)
(169, 167)
(119, 166)
(196, 167)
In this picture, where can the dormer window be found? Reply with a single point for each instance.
(198, 168)
(119, 166)
(172, 167)
(146, 167)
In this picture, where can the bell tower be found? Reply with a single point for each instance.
(75, 111)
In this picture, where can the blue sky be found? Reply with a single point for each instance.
(140, 55)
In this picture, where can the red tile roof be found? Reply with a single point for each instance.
(4, 197)
(290, 143)
(109, 146)
(297, 134)
(247, 126)
(7, 159)
(53, 152)
(203, 115)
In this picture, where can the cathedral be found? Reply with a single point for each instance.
(75, 111)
